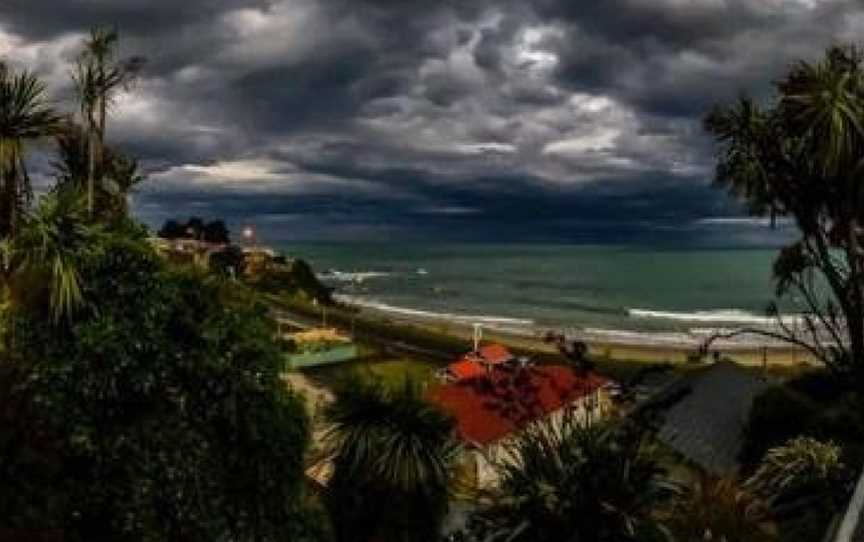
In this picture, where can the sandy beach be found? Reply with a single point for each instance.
(616, 345)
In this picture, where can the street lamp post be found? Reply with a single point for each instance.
(249, 235)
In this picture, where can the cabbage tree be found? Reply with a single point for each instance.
(25, 117)
(801, 156)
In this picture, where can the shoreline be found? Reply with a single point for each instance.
(671, 347)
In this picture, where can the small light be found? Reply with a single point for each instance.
(248, 233)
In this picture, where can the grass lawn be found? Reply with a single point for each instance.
(391, 371)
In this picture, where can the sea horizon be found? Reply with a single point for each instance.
(668, 294)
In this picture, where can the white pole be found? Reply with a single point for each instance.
(478, 335)
(853, 514)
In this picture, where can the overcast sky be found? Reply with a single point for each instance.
(546, 120)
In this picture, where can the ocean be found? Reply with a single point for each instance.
(622, 292)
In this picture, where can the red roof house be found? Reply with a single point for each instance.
(465, 369)
(501, 401)
(494, 354)
(474, 364)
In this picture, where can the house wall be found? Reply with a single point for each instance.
(481, 460)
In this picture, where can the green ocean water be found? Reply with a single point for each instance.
(564, 286)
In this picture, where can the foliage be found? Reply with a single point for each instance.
(295, 278)
(157, 413)
(804, 482)
(803, 465)
(195, 228)
(573, 482)
(48, 246)
(801, 157)
(229, 262)
(717, 509)
(575, 352)
(98, 77)
(818, 385)
(24, 117)
(778, 414)
(391, 454)
(802, 408)
(119, 174)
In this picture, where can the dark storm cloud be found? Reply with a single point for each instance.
(35, 19)
(549, 119)
(678, 58)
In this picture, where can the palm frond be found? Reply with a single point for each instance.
(392, 436)
(25, 117)
(801, 462)
(51, 241)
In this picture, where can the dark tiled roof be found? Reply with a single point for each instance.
(707, 424)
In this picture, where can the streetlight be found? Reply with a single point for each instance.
(249, 234)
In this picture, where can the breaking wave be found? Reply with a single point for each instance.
(336, 275)
(353, 276)
(729, 316)
(489, 320)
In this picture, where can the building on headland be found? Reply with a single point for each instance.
(199, 252)
(186, 250)
(260, 251)
(493, 396)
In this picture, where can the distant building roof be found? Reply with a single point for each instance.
(259, 250)
(707, 424)
(500, 402)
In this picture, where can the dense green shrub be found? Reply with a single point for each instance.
(229, 262)
(156, 413)
(718, 509)
(818, 385)
(195, 228)
(295, 278)
(392, 456)
(810, 406)
(778, 414)
(571, 481)
(814, 406)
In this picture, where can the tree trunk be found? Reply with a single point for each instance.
(15, 191)
(4, 180)
(91, 170)
(100, 143)
(103, 116)
(855, 316)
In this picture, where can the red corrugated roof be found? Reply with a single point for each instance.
(495, 353)
(466, 368)
(498, 404)
(472, 364)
